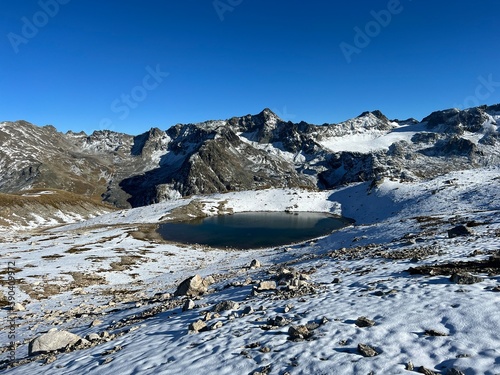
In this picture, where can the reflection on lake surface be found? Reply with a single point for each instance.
(247, 230)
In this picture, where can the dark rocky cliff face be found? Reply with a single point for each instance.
(244, 153)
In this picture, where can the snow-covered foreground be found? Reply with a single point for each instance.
(97, 271)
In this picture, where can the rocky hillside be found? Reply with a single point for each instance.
(33, 208)
(245, 153)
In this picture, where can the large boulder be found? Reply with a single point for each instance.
(51, 341)
(191, 287)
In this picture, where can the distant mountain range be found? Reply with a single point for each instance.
(244, 153)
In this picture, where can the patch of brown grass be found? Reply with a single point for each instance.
(126, 262)
(77, 250)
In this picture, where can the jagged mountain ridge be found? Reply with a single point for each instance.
(244, 153)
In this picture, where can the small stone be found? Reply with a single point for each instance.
(409, 366)
(287, 308)
(95, 323)
(207, 316)
(433, 332)
(188, 305)
(79, 345)
(163, 296)
(226, 305)
(454, 371)
(255, 264)
(337, 280)
(50, 359)
(197, 326)
(278, 321)
(464, 278)
(93, 337)
(426, 371)
(363, 321)
(105, 334)
(265, 349)
(253, 345)
(298, 332)
(367, 351)
(458, 231)
(266, 285)
(18, 307)
(216, 325)
(107, 360)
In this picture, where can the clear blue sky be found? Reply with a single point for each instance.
(77, 68)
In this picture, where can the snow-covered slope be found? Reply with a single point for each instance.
(102, 272)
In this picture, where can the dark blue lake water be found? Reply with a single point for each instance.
(248, 230)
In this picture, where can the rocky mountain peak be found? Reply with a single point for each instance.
(457, 121)
(244, 153)
(375, 113)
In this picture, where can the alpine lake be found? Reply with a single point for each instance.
(252, 230)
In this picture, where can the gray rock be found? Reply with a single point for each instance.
(93, 337)
(197, 326)
(95, 323)
(454, 371)
(191, 287)
(226, 305)
(464, 278)
(79, 345)
(363, 321)
(18, 307)
(266, 285)
(51, 341)
(426, 371)
(255, 264)
(460, 230)
(216, 325)
(299, 332)
(278, 321)
(50, 359)
(367, 351)
(433, 332)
